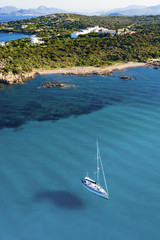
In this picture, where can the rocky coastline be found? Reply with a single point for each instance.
(10, 78)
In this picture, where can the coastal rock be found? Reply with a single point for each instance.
(104, 73)
(37, 73)
(125, 78)
(154, 64)
(86, 74)
(48, 84)
(11, 78)
(110, 74)
(116, 70)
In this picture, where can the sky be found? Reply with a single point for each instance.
(84, 5)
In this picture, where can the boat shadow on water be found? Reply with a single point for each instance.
(62, 199)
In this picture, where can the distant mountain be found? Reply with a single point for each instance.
(134, 10)
(8, 10)
(42, 10)
(118, 10)
(114, 14)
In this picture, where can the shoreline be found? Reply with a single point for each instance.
(84, 71)
(91, 70)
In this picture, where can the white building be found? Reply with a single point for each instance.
(88, 30)
(105, 30)
(93, 29)
(34, 39)
(24, 26)
(2, 44)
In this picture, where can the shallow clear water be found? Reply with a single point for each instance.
(48, 143)
(4, 37)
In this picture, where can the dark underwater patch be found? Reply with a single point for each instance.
(62, 199)
(12, 117)
(24, 103)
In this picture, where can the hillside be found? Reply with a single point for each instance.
(58, 50)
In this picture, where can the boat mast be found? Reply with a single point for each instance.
(97, 164)
(103, 173)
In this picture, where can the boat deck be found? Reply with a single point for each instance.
(94, 187)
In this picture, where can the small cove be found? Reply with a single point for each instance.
(8, 36)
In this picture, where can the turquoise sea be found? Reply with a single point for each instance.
(48, 143)
(4, 36)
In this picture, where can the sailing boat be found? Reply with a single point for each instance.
(94, 186)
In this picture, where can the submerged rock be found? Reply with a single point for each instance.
(125, 78)
(48, 84)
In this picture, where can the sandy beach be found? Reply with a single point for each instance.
(10, 78)
(90, 70)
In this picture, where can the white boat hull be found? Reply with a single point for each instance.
(104, 195)
(92, 185)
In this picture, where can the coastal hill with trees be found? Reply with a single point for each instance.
(59, 50)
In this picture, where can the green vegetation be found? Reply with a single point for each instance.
(59, 50)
